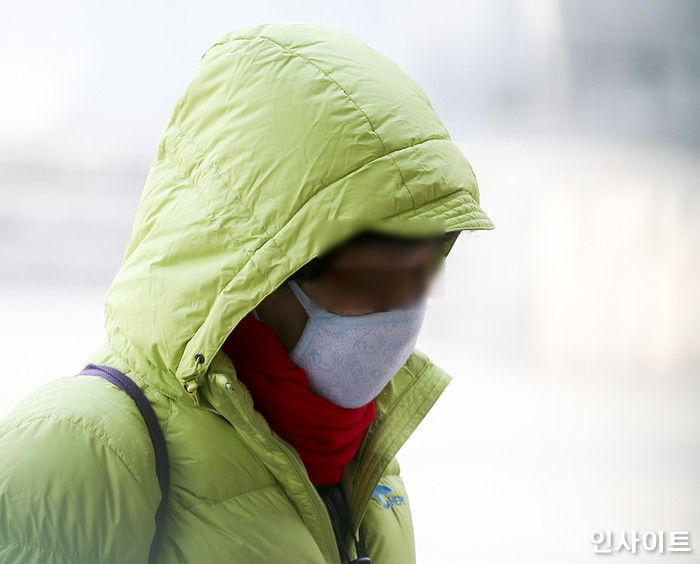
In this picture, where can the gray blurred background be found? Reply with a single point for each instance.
(571, 330)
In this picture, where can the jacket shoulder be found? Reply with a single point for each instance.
(94, 406)
(79, 484)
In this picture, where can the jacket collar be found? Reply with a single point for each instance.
(401, 406)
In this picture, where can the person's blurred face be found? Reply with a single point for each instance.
(374, 277)
(362, 279)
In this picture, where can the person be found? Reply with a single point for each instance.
(303, 196)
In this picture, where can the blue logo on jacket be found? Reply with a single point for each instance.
(389, 498)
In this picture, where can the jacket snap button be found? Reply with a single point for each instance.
(199, 357)
(229, 387)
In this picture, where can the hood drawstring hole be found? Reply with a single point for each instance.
(192, 385)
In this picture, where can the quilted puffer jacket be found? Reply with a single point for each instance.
(289, 138)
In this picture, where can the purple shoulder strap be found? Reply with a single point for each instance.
(126, 384)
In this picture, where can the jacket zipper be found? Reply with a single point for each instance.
(374, 476)
(300, 470)
(337, 526)
(296, 461)
(298, 465)
(302, 473)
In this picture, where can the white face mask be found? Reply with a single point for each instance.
(349, 359)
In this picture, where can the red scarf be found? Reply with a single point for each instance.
(325, 435)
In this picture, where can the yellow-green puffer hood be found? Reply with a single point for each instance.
(289, 138)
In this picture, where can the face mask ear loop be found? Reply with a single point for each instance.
(310, 307)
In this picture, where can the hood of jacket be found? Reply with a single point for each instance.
(288, 139)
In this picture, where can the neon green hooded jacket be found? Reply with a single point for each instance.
(288, 139)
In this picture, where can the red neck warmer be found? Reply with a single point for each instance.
(325, 435)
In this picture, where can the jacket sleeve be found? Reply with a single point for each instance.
(72, 492)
